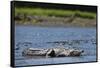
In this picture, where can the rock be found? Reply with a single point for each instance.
(29, 18)
(34, 52)
(53, 52)
(18, 17)
(61, 52)
(75, 52)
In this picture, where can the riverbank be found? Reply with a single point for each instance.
(53, 17)
(58, 21)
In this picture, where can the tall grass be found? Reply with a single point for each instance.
(54, 12)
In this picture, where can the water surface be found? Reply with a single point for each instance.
(38, 37)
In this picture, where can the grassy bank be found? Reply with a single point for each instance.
(55, 12)
(53, 17)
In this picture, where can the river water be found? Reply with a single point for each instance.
(44, 37)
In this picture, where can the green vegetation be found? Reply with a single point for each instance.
(54, 12)
(54, 17)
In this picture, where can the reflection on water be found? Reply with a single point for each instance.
(46, 37)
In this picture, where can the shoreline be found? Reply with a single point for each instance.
(54, 18)
(53, 26)
(57, 22)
